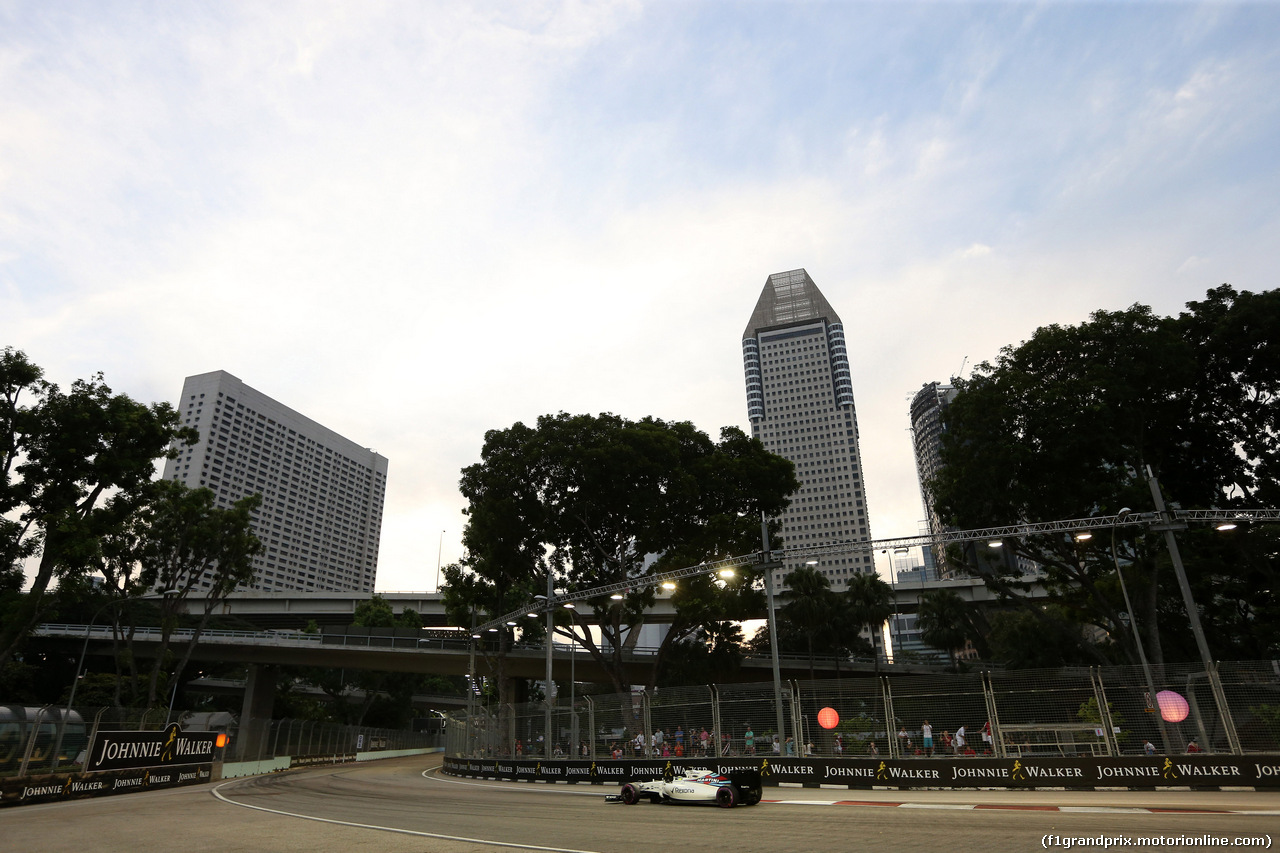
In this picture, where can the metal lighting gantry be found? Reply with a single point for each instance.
(1180, 518)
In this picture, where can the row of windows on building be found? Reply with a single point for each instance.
(334, 548)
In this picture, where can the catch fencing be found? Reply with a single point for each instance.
(1093, 711)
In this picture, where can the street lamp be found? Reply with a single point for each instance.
(1168, 525)
(1133, 629)
(773, 628)
(439, 552)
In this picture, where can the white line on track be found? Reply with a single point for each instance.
(434, 775)
(217, 793)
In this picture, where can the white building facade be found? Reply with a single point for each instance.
(322, 494)
(800, 403)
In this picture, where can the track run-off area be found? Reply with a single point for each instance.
(406, 804)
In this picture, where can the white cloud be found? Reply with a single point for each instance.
(416, 223)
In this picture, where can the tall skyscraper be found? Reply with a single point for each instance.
(927, 427)
(800, 402)
(322, 495)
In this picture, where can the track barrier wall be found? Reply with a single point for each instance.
(1188, 771)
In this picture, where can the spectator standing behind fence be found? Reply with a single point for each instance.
(777, 747)
(926, 737)
(946, 741)
(680, 739)
(986, 736)
(658, 737)
(749, 741)
(839, 746)
(904, 741)
(959, 740)
(1149, 748)
(1193, 746)
(702, 740)
(874, 751)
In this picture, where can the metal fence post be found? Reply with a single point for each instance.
(993, 715)
(1104, 711)
(646, 722)
(31, 740)
(890, 735)
(715, 716)
(797, 722)
(1220, 697)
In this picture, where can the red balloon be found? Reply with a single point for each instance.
(828, 718)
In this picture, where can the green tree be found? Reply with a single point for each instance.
(870, 603)
(62, 455)
(1066, 424)
(1019, 640)
(190, 548)
(505, 563)
(945, 622)
(811, 610)
(596, 500)
(389, 696)
(712, 656)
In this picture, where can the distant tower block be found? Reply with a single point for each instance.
(800, 402)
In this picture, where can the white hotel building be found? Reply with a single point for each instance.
(322, 494)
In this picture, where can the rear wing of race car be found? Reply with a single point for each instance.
(744, 778)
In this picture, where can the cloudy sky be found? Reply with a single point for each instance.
(415, 222)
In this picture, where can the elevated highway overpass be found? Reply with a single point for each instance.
(284, 610)
(432, 655)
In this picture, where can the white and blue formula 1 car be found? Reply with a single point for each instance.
(739, 788)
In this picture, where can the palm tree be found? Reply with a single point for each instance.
(870, 603)
(811, 607)
(944, 621)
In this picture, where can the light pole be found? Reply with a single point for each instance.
(471, 682)
(1137, 636)
(895, 629)
(773, 629)
(1168, 525)
(439, 553)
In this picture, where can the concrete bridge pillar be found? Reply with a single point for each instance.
(255, 714)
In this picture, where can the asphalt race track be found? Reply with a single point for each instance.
(405, 805)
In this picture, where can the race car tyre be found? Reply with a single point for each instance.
(750, 796)
(630, 795)
(727, 798)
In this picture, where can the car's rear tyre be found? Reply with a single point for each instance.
(727, 797)
(750, 796)
(630, 794)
